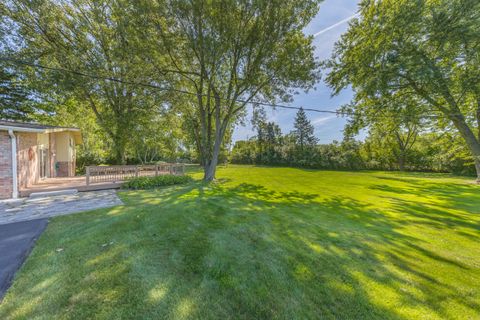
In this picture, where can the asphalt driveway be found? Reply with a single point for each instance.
(24, 220)
(16, 242)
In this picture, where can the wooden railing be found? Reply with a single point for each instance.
(97, 174)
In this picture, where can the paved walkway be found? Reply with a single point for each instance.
(16, 242)
(46, 207)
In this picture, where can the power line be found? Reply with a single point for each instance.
(105, 78)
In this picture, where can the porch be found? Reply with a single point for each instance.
(101, 178)
(66, 183)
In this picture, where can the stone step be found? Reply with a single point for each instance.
(44, 194)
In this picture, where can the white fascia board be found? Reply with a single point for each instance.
(20, 129)
(49, 130)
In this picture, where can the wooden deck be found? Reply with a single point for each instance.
(103, 177)
(58, 184)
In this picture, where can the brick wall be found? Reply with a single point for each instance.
(6, 178)
(65, 169)
(62, 169)
(27, 157)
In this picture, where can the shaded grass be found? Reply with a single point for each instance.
(264, 243)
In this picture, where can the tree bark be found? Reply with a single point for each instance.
(119, 147)
(478, 116)
(477, 168)
(401, 157)
(211, 166)
(401, 161)
(473, 143)
(220, 129)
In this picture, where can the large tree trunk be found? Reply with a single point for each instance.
(119, 147)
(402, 155)
(210, 170)
(477, 168)
(220, 129)
(472, 142)
(401, 161)
(210, 167)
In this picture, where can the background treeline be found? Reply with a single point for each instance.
(430, 151)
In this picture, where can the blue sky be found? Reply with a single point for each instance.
(327, 126)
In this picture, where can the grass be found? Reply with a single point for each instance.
(264, 243)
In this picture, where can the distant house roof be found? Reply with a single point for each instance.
(39, 128)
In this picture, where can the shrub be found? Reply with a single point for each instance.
(153, 182)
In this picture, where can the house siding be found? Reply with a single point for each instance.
(53, 155)
(65, 155)
(6, 176)
(27, 159)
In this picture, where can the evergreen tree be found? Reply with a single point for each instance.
(303, 131)
(14, 98)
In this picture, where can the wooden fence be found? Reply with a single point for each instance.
(96, 174)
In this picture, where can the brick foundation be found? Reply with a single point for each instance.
(65, 169)
(6, 178)
(52, 155)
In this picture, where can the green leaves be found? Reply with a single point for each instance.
(16, 98)
(231, 53)
(424, 50)
(98, 40)
(211, 59)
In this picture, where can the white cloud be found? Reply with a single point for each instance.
(320, 120)
(335, 25)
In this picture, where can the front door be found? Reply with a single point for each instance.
(43, 163)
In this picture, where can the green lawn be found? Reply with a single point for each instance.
(264, 243)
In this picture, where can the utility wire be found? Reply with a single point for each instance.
(111, 79)
(105, 78)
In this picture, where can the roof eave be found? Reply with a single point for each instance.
(21, 129)
(37, 130)
(53, 130)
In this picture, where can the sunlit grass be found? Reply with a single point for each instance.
(264, 243)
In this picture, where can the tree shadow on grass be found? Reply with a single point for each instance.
(203, 251)
(462, 195)
(447, 206)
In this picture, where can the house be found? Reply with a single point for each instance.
(31, 152)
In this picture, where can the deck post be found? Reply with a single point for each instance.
(156, 170)
(136, 171)
(183, 169)
(88, 175)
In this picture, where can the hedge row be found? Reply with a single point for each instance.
(153, 182)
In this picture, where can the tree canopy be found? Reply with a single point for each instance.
(428, 50)
(15, 97)
(218, 56)
(83, 44)
(158, 80)
(231, 53)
